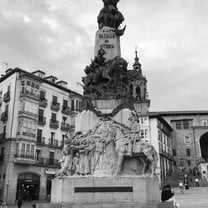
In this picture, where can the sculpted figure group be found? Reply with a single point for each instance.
(105, 77)
(103, 151)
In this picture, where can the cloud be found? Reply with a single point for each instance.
(58, 38)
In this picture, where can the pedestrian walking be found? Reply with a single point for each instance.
(197, 182)
(181, 187)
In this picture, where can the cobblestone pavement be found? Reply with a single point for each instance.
(192, 198)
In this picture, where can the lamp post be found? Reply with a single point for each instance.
(7, 187)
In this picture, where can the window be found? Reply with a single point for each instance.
(64, 119)
(72, 105)
(187, 140)
(189, 162)
(51, 158)
(40, 114)
(52, 135)
(2, 151)
(53, 117)
(32, 150)
(39, 135)
(178, 125)
(54, 99)
(181, 162)
(28, 149)
(42, 95)
(77, 105)
(17, 149)
(188, 152)
(174, 152)
(23, 149)
(65, 103)
(28, 83)
(38, 154)
(204, 122)
(7, 108)
(186, 125)
(8, 88)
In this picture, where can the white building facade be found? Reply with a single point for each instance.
(37, 116)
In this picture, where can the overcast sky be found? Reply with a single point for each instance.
(57, 36)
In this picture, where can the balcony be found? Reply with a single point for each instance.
(55, 106)
(54, 124)
(41, 141)
(30, 94)
(28, 134)
(47, 162)
(42, 121)
(66, 110)
(4, 116)
(64, 126)
(7, 97)
(26, 113)
(43, 103)
(53, 142)
(24, 159)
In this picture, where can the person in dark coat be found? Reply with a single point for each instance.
(166, 193)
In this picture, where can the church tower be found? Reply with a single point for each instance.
(138, 87)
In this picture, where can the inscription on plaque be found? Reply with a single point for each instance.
(107, 39)
(103, 189)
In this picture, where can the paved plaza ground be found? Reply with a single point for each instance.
(192, 198)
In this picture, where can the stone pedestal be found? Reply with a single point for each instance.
(105, 192)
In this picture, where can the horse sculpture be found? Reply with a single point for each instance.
(147, 156)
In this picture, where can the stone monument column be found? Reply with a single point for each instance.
(108, 40)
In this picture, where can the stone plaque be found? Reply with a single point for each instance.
(107, 39)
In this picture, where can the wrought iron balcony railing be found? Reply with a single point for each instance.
(41, 141)
(4, 116)
(7, 97)
(66, 110)
(53, 142)
(55, 106)
(43, 103)
(47, 162)
(64, 126)
(42, 121)
(54, 124)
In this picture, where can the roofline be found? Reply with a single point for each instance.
(15, 70)
(38, 71)
(178, 113)
(160, 118)
(51, 76)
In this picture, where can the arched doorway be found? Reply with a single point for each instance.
(28, 185)
(204, 146)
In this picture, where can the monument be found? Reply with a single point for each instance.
(106, 163)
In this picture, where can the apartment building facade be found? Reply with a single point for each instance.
(190, 137)
(37, 116)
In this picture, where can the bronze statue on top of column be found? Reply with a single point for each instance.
(110, 16)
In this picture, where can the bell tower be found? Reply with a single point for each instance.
(138, 87)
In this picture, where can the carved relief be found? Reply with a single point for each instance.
(106, 149)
